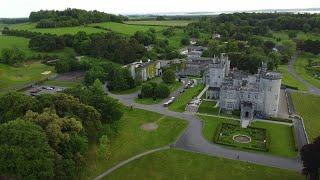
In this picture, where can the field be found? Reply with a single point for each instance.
(161, 23)
(132, 140)
(23, 43)
(281, 142)
(289, 80)
(283, 35)
(308, 107)
(17, 77)
(300, 69)
(177, 164)
(181, 102)
(126, 29)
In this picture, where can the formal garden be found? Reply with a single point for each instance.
(235, 136)
(279, 138)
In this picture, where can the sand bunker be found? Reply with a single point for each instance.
(149, 126)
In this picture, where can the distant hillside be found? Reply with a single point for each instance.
(71, 17)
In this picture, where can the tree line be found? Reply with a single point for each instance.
(59, 128)
(71, 17)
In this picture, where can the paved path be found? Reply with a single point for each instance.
(311, 88)
(193, 140)
(129, 160)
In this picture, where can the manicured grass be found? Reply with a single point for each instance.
(181, 102)
(281, 141)
(208, 107)
(131, 140)
(127, 91)
(300, 69)
(161, 23)
(126, 29)
(17, 77)
(257, 136)
(61, 83)
(308, 107)
(177, 164)
(289, 80)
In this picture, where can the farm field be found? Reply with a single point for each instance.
(177, 164)
(17, 77)
(162, 23)
(126, 29)
(280, 136)
(289, 80)
(132, 140)
(181, 102)
(307, 106)
(300, 69)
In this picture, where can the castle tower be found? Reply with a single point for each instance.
(271, 84)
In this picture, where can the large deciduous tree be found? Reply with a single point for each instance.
(169, 76)
(24, 151)
(14, 105)
(310, 156)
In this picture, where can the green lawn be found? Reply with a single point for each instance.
(280, 136)
(23, 43)
(181, 101)
(132, 140)
(57, 31)
(308, 107)
(300, 35)
(208, 107)
(17, 77)
(181, 165)
(62, 83)
(161, 23)
(300, 69)
(126, 29)
(289, 80)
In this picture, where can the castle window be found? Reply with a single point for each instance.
(249, 96)
(270, 88)
(256, 96)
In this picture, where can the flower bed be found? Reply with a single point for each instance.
(226, 133)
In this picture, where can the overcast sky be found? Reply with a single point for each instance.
(22, 8)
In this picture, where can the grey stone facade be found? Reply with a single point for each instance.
(256, 94)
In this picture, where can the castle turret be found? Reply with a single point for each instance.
(271, 84)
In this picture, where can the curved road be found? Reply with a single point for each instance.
(193, 140)
(311, 88)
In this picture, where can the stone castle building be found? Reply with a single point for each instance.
(254, 95)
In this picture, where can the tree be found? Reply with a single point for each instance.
(169, 76)
(310, 156)
(185, 41)
(292, 34)
(24, 151)
(12, 56)
(289, 48)
(104, 147)
(162, 91)
(66, 137)
(14, 105)
(147, 90)
(273, 60)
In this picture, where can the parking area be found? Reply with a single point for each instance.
(42, 89)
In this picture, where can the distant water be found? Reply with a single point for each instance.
(295, 11)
